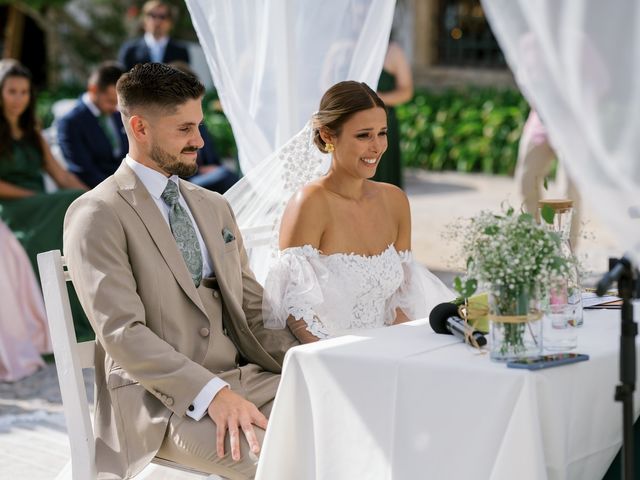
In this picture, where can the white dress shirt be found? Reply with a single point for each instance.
(155, 182)
(156, 47)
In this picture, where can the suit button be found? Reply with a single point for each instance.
(169, 401)
(204, 331)
(216, 294)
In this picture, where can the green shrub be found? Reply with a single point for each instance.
(474, 130)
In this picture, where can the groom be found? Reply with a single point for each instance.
(184, 367)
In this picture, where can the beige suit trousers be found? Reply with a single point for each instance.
(193, 443)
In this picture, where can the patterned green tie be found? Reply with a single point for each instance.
(184, 232)
(103, 120)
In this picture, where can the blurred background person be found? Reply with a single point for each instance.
(91, 136)
(35, 217)
(395, 87)
(24, 334)
(535, 160)
(155, 45)
(211, 174)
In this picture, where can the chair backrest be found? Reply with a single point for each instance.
(71, 357)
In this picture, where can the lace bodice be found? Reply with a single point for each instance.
(339, 292)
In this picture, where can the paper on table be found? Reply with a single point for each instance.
(590, 299)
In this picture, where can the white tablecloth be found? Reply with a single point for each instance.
(404, 403)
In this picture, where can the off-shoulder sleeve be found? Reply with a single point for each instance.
(418, 293)
(294, 287)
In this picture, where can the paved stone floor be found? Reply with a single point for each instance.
(33, 443)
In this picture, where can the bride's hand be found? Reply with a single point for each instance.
(299, 329)
(401, 317)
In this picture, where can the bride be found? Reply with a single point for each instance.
(345, 241)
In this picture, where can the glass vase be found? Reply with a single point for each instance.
(515, 323)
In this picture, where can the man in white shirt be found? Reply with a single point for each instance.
(185, 369)
(156, 45)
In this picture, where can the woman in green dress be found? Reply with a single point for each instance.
(35, 217)
(394, 88)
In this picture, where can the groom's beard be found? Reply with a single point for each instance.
(172, 164)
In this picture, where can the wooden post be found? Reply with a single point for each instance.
(13, 34)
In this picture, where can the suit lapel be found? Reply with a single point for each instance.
(210, 229)
(136, 195)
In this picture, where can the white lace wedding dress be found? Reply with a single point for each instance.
(338, 293)
(332, 293)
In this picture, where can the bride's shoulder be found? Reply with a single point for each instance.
(392, 195)
(311, 196)
(305, 217)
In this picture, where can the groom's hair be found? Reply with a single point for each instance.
(157, 87)
(339, 104)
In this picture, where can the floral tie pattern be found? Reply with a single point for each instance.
(184, 232)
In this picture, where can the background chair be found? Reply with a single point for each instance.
(71, 357)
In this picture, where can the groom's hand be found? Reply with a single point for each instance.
(229, 411)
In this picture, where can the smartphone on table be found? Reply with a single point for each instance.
(547, 361)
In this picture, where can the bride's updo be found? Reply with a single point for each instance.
(338, 104)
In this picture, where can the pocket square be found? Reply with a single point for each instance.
(227, 235)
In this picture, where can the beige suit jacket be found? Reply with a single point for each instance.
(147, 314)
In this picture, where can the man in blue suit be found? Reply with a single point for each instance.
(91, 136)
(156, 45)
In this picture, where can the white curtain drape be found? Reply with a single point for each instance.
(271, 60)
(578, 63)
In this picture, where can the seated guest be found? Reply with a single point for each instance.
(91, 136)
(156, 45)
(23, 326)
(34, 216)
(211, 174)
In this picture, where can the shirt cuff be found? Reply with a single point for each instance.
(200, 404)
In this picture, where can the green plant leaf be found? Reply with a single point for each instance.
(547, 213)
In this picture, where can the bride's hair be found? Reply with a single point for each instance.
(338, 104)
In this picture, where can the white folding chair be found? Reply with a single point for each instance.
(71, 357)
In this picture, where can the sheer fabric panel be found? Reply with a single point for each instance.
(271, 60)
(578, 63)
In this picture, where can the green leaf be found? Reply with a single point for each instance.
(470, 287)
(547, 213)
(526, 217)
(457, 285)
(545, 183)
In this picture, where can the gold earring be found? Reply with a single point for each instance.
(329, 147)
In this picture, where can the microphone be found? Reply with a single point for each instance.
(444, 319)
(617, 268)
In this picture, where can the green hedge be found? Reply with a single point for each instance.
(474, 130)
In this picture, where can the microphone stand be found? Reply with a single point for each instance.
(622, 271)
